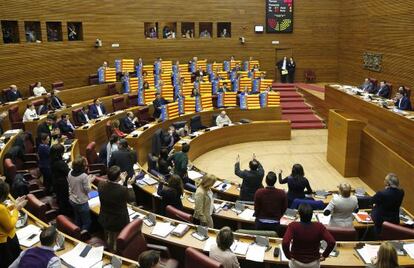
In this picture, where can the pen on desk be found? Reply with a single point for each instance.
(356, 256)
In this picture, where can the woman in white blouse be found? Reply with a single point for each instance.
(30, 113)
(38, 90)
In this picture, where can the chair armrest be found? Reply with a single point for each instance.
(32, 157)
(51, 214)
(165, 253)
(39, 193)
(85, 235)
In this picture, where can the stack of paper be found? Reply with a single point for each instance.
(409, 248)
(162, 229)
(239, 248)
(247, 214)
(74, 259)
(255, 253)
(29, 235)
(148, 180)
(194, 175)
(363, 217)
(180, 229)
(368, 252)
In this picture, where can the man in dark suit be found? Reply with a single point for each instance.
(97, 109)
(180, 160)
(384, 90)
(170, 138)
(83, 115)
(65, 126)
(113, 215)
(125, 158)
(49, 127)
(252, 179)
(387, 202)
(367, 86)
(129, 123)
(158, 103)
(402, 102)
(13, 94)
(56, 102)
(282, 65)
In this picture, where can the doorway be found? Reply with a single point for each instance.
(279, 54)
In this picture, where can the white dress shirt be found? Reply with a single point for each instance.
(98, 108)
(29, 115)
(220, 121)
(38, 91)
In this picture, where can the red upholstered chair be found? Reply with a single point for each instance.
(144, 116)
(343, 234)
(4, 93)
(75, 113)
(112, 89)
(58, 85)
(391, 231)
(41, 209)
(131, 243)
(195, 258)
(310, 76)
(93, 159)
(65, 225)
(177, 214)
(93, 79)
(408, 92)
(10, 171)
(15, 118)
(390, 86)
(118, 103)
(31, 87)
(132, 100)
(38, 102)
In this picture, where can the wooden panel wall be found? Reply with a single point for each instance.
(381, 26)
(314, 41)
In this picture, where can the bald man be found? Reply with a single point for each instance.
(223, 119)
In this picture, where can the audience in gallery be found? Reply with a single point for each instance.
(367, 86)
(221, 251)
(45, 107)
(402, 101)
(386, 257)
(341, 207)
(83, 115)
(251, 179)
(9, 214)
(97, 109)
(297, 183)
(30, 113)
(115, 129)
(152, 33)
(171, 193)
(43, 255)
(66, 127)
(189, 33)
(2, 116)
(113, 197)
(383, 90)
(129, 123)
(125, 157)
(13, 94)
(39, 90)
(57, 103)
(79, 187)
(223, 119)
(180, 161)
(224, 33)
(205, 34)
(387, 202)
(270, 204)
(149, 259)
(43, 152)
(204, 201)
(158, 103)
(60, 171)
(301, 241)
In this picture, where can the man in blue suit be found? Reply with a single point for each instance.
(129, 123)
(402, 102)
(384, 90)
(387, 202)
(13, 94)
(97, 109)
(57, 103)
(158, 103)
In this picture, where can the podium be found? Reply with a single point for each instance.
(344, 138)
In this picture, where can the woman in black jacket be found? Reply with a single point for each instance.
(171, 193)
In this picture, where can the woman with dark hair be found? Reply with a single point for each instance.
(43, 150)
(164, 165)
(386, 257)
(45, 107)
(297, 183)
(60, 171)
(171, 193)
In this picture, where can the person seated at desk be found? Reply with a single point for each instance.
(221, 251)
(65, 126)
(223, 119)
(38, 90)
(402, 102)
(171, 193)
(341, 207)
(149, 259)
(125, 158)
(158, 103)
(30, 113)
(97, 109)
(367, 86)
(115, 129)
(170, 138)
(180, 160)
(383, 90)
(297, 183)
(387, 202)
(42, 256)
(270, 204)
(386, 257)
(49, 127)
(224, 88)
(45, 107)
(251, 179)
(301, 242)
(13, 94)
(129, 123)
(83, 115)
(184, 131)
(57, 103)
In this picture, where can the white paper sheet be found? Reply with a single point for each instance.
(282, 254)
(247, 214)
(162, 229)
(209, 243)
(148, 180)
(239, 248)
(409, 248)
(94, 202)
(255, 253)
(368, 252)
(73, 259)
(194, 175)
(224, 187)
(24, 233)
(323, 219)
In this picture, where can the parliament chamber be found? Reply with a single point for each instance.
(163, 132)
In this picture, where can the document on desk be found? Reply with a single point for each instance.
(148, 180)
(240, 248)
(73, 258)
(162, 229)
(194, 175)
(323, 219)
(255, 253)
(247, 214)
(29, 235)
(224, 187)
(209, 243)
(282, 254)
(368, 252)
(409, 248)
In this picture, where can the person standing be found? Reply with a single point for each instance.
(251, 179)
(180, 160)
(124, 157)
(171, 194)
(297, 183)
(43, 151)
(291, 67)
(341, 207)
(282, 65)
(204, 201)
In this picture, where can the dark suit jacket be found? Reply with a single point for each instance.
(270, 203)
(404, 104)
(387, 206)
(93, 111)
(126, 125)
(60, 171)
(252, 180)
(56, 102)
(64, 127)
(82, 118)
(44, 128)
(157, 106)
(384, 91)
(13, 96)
(169, 197)
(125, 159)
(180, 160)
(113, 215)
